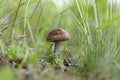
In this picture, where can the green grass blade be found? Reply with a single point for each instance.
(107, 23)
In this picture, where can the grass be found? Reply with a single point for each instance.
(93, 49)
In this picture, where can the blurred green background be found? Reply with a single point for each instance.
(94, 45)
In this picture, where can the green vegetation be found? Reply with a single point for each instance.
(93, 48)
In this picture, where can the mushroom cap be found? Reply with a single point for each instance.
(58, 34)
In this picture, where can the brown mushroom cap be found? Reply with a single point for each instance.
(58, 34)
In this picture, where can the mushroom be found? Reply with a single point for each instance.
(57, 36)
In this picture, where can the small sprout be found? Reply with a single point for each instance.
(20, 37)
(4, 29)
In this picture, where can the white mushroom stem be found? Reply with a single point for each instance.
(57, 48)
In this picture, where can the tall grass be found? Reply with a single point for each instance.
(98, 24)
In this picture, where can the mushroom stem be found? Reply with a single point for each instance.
(57, 48)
